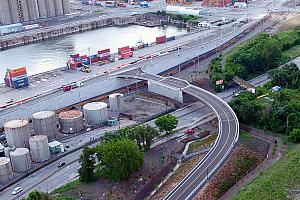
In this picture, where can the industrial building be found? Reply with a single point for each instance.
(15, 11)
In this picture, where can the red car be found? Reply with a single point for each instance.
(189, 131)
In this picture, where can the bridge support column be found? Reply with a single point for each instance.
(165, 90)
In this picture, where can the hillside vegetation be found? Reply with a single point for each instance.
(277, 182)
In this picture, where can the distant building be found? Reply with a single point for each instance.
(15, 11)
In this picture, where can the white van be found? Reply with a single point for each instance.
(204, 24)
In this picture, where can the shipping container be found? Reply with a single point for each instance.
(161, 39)
(170, 38)
(74, 55)
(122, 49)
(93, 60)
(19, 77)
(104, 51)
(17, 69)
(126, 54)
(20, 83)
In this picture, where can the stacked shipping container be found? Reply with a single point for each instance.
(74, 62)
(104, 54)
(125, 52)
(161, 39)
(16, 78)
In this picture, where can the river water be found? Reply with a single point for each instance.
(52, 54)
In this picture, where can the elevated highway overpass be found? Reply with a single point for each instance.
(226, 140)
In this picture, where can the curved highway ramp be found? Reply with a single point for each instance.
(227, 137)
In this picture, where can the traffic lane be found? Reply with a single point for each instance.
(186, 187)
(200, 174)
(58, 179)
(39, 176)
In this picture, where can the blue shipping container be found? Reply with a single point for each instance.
(170, 38)
(76, 59)
(93, 56)
(20, 83)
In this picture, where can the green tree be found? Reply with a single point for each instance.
(166, 123)
(145, 135)
(87, 161)
(295, 135)
(37, 195)
(119, 158)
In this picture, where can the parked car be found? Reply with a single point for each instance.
(17, 190)
(190, 131)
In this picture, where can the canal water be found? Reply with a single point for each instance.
(52, 54)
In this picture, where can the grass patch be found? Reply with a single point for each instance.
(64, 197)
(245, 135)
(292, 53)
(276, 181)
(203, 142)
(68, 186)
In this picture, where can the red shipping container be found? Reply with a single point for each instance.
(74, 55)
(18, 73)
(160, 40)
(122, 49)
(93, 60)
(103, 51)
(84, 56)
(104, 58)
(126, 54)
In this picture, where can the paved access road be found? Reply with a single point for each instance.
(227, 137)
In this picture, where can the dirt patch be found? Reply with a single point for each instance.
(290, 23)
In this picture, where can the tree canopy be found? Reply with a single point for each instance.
(119, 158)
(87, 161)
(166, 123)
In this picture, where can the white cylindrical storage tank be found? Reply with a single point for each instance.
(25, 11)
(45, 123)
(39, 148)
(33, 9)
(116, 102)
(95, 113)
(14, 11)
(66, 6)
(20, 159)
(17, 133)
(58, 8)
(42, 8)
(71, 121)
(5, 16)
(50, 8)
(5, 169)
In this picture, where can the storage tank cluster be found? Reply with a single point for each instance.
(14, 11)
(116, 102)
